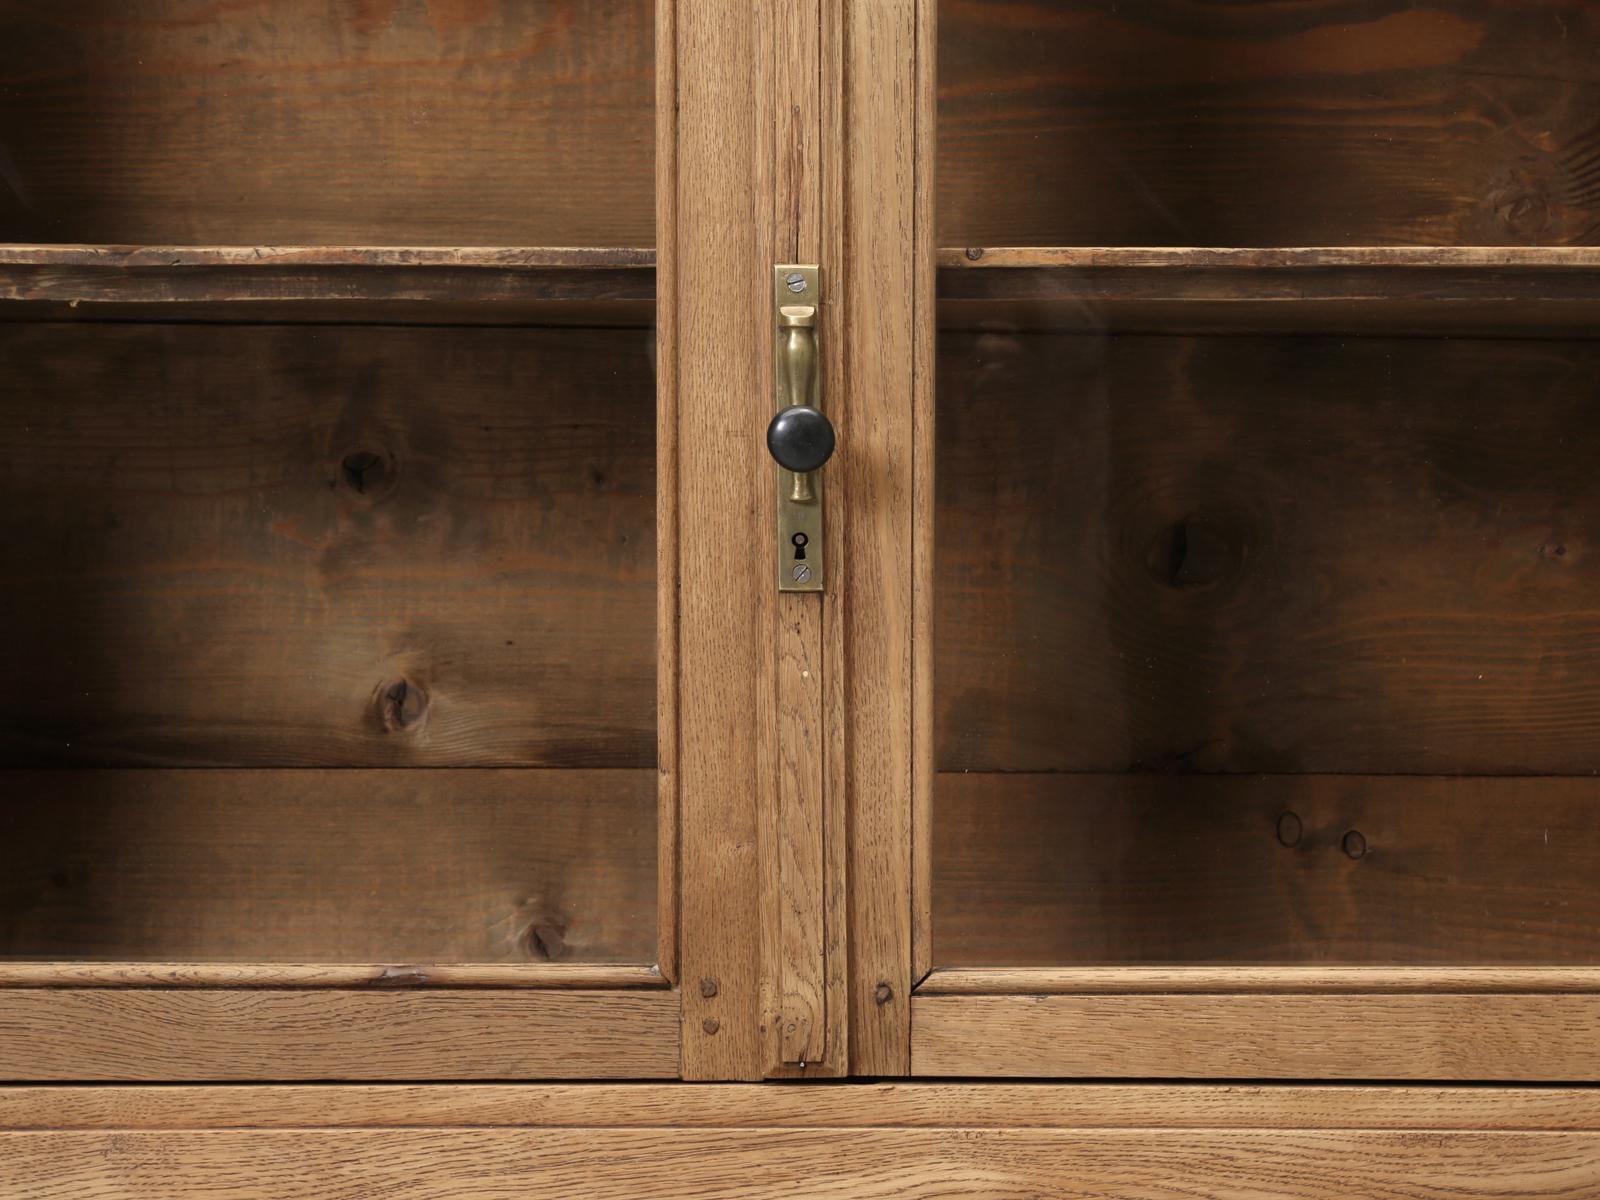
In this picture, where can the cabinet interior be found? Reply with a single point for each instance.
(329, 587)
(1266, 621)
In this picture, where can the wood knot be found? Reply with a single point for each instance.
(547, 942)
(1192, 554)
(365, 472)
(401, 706)
(883, 993)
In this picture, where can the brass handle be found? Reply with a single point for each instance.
(799, 437)
(797, 356)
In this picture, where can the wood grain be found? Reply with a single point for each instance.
(716, 283)
(797, 1162)
(1527, 1038)
(411, 868)
(911, 1104)
(214, 974)
(197, 576)
(874, 469)
(1150, 870)
(206, 1034)
(1467, 122)
(1133, 981)
(458, 122)
(1266, 555)
(1525, 291)
(924, 471)
(361, 281)
(667, 581)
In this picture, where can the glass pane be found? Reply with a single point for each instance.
(330, 624)
(1264, 633)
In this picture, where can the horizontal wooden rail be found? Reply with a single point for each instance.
(1001, 981)
(195, 274)
(327, 975)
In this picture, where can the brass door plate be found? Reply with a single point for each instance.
(797, 379)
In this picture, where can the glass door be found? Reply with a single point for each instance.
(328, 493)
(1266, 611)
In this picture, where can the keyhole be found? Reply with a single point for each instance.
(799, 541)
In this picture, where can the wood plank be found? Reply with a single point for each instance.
(667, 498)
(167, 278)
(1131, 981)
(911, 1104)
(923, 483)
(1266, 555)
(811, 1163)
(1057, 870)
(1469, 122)
(205, 1034)
(800, 940)
(1521, 290)
(1435, 1037)
(715, 283)
(542, 974)
(489, 122)
(801, 827)
(413, 869)
(197, 575)
(874, 469)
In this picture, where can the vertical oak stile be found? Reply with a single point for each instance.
(716, 289)
(877, 156)
(805, 1005)
(922, 498)
(667, 499)
(759, 716)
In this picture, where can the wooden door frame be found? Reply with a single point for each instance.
(913, 1139)
(1346, 1023)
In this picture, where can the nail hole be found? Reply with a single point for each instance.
(1354, 844)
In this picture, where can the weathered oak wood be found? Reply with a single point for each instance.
(188, 1034)
(410, 868)
(369, 283)
(919, 1103)
(1056, 870)
(1520, 290)
(1133, 981)
(213, 974)
(1278, 555)
(1421, 1037)
(283, 546)
(459, 122)
(814, 1164)
(1466, 122)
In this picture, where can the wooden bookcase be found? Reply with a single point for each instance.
(413, 778)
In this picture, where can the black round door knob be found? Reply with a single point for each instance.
(800, 438)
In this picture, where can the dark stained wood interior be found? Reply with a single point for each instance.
(1287, 122)
(359, 122)
(1255, 650)
(327, 546)
(381, 866)
(1073, 870)
(1281, 555)
(1516, 291)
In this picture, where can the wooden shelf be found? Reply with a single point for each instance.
(1518, 291)
(509, 285)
